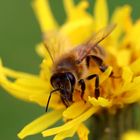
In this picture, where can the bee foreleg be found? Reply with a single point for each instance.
(64, 102)
(97, 91)
(83, 87)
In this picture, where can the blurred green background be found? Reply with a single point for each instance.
(19, 33)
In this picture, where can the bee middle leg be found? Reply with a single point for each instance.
(97, 91)
(83, 86)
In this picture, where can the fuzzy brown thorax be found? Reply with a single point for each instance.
(67, 63)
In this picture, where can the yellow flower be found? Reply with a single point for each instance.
(122, 47)
(131, 135)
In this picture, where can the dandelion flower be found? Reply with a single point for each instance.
(131, 135)
(116, 92)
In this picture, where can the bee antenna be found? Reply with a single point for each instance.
(50, 98)
(49, 52)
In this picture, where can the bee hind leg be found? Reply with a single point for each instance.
(87, 61)
(98, 61)
(97, 91)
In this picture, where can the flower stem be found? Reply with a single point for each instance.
(108, 126)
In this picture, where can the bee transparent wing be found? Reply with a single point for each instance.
(101, 35)
(56, 44)
(83, 50)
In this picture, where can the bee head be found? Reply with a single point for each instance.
(63, 81)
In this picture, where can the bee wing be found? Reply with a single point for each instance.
(83, 50)
(56, 44)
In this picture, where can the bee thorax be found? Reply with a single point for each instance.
(68, 64)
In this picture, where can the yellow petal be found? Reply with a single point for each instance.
(67, 133)
(78, 31)
(131, 37)
(83, 132)
(42, 99)
(44, 15)
(71, 123)
(130, 86)
(100, 14)
(79, 25)
(135, 66)
(131, 135)
(16, 74)
(76, 12)
(122, 18)
(121, 60)
(105, 74)
(99, 102)
(132, 96)
(45, 72)
(32, 83)
(18, 91)
(40, 124)
(41, 50)
(127, 75)
(69, 6)
(23, 85)
(73, 111)
(135, 84)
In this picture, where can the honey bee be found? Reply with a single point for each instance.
(69, 66)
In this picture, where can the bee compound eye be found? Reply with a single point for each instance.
(56, 80)
(71, 78)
